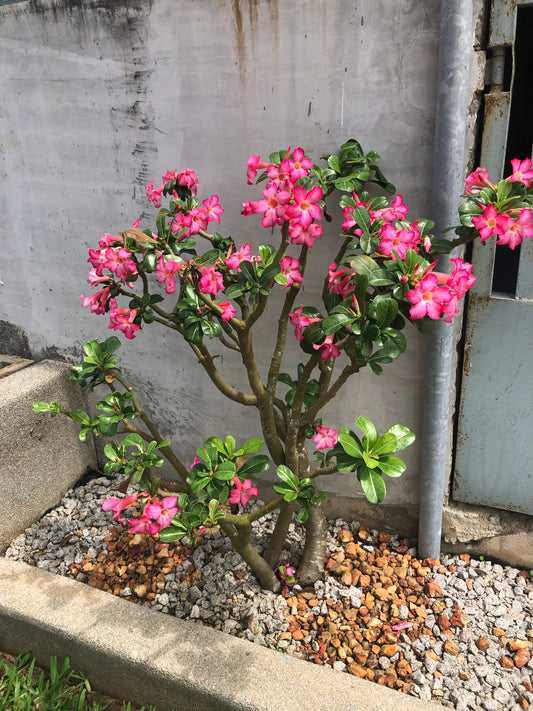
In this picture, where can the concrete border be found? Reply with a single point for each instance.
(133, 652)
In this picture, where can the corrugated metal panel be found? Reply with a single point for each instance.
(495, 429)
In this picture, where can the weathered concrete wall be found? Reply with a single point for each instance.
(99, 97)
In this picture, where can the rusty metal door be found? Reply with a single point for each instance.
(494, 459)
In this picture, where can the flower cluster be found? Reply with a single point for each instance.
(284, 201)
(155, 514)
(501, 215)
(436, 294)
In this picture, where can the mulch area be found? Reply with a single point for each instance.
(396, 589)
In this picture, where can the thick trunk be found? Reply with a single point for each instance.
(279, 535)
(240, 540)
(315, 548)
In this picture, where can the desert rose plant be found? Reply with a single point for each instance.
(215, 294)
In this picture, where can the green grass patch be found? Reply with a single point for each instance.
(26, 687)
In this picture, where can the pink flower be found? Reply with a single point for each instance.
(122, 320)
(188, 179)
(328, 349)
(118, 261)
(196, 460)
(106, 240)
(273, 206)
(254, 164)
(397, 210)
(228, 312)
(399, 241)
(181, 223)
(198, 220)
(513, 232)
(118, 505)
(461, 279)
(340, 282)
(169, 176)
(304, 209)
(487, 223)
(521, 171)
(325, 437)
(163, 511)
(290, 268)
(98, 301)
(212, 281)
(154, 194)
(243, 255)
(165, 272)
(214, 210)
(304, 235)
(301, 321)
(477, 180)
(94, 278)
(143, 525)
(299, 166)
(97, 259)
(243, 491)
(428, 298)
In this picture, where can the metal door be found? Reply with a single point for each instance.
(494, 459)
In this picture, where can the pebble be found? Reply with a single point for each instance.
(468, 645)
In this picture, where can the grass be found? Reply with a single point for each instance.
(26, 687)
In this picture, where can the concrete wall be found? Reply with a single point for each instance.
(98, 97)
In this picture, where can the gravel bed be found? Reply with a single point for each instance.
(468, 630)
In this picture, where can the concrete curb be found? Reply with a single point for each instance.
(40, 457)
(132, 652)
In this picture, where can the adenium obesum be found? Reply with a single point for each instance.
(204, 287)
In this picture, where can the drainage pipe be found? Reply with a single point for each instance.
(455, 44)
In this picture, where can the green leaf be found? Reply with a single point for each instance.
(372, 484)
(386, 443)
(250, 446)
(314, 333)
(334, 322)
(286, 379)
(173, 533)
(193, 332)
(259, 463)
(346, 463)
(149, 262)
(362, 218)
(248, 270)
(386, 311)
(210, 328)
(350, 446)
(369, 460)
(234, 291)
(229, 444)
(362, 264)
(334, 163)
(270, 272)
(392, 466)
(286, 491)
(225, 471)
(403, 435)
(371, 434)
(303, 514)
(286, 475)
(133, 440)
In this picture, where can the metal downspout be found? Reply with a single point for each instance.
(455, 43)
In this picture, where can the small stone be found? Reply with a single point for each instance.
(482, 643)
(432, 589)
(140, 590)
(521, 658)
(345, 535)
(506, 663)
(516, 644)
(451, 648)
